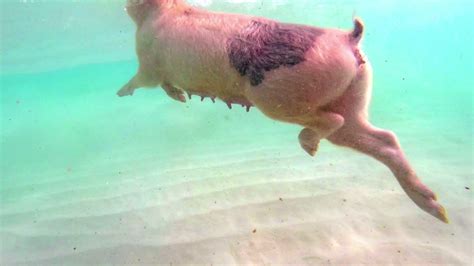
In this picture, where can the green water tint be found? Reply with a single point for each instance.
(61, 120)
(59, 109)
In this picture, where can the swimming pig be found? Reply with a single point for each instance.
(317, 78)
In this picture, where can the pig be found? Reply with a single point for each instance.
(314, 77)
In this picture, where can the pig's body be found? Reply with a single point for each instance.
(187, 50)
(313, 77)
(180, 55)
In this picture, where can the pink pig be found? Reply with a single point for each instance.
(317, 78)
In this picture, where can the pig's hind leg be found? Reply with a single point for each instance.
(384, 146)
(357, 133)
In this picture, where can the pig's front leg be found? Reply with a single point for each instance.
(174, 92)
(309, 141)
(322, 125)
(129, 88)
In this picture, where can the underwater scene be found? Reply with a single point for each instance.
(91, 178)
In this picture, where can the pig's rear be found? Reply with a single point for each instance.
(328, 68)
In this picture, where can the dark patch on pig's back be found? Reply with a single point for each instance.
(264, 46)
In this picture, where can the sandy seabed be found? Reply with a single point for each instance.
(234, 203)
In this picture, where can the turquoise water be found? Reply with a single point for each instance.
(70, 147)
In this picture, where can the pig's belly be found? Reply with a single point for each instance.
(223, 83)
(190, 75)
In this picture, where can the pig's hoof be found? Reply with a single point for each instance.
(310, 149)
(178, 96)
(125, 91)
(427, 200)
(174, 93)
(309, 141)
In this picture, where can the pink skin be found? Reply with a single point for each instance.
(182, 49)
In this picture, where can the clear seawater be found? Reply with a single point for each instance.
(85, 173)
